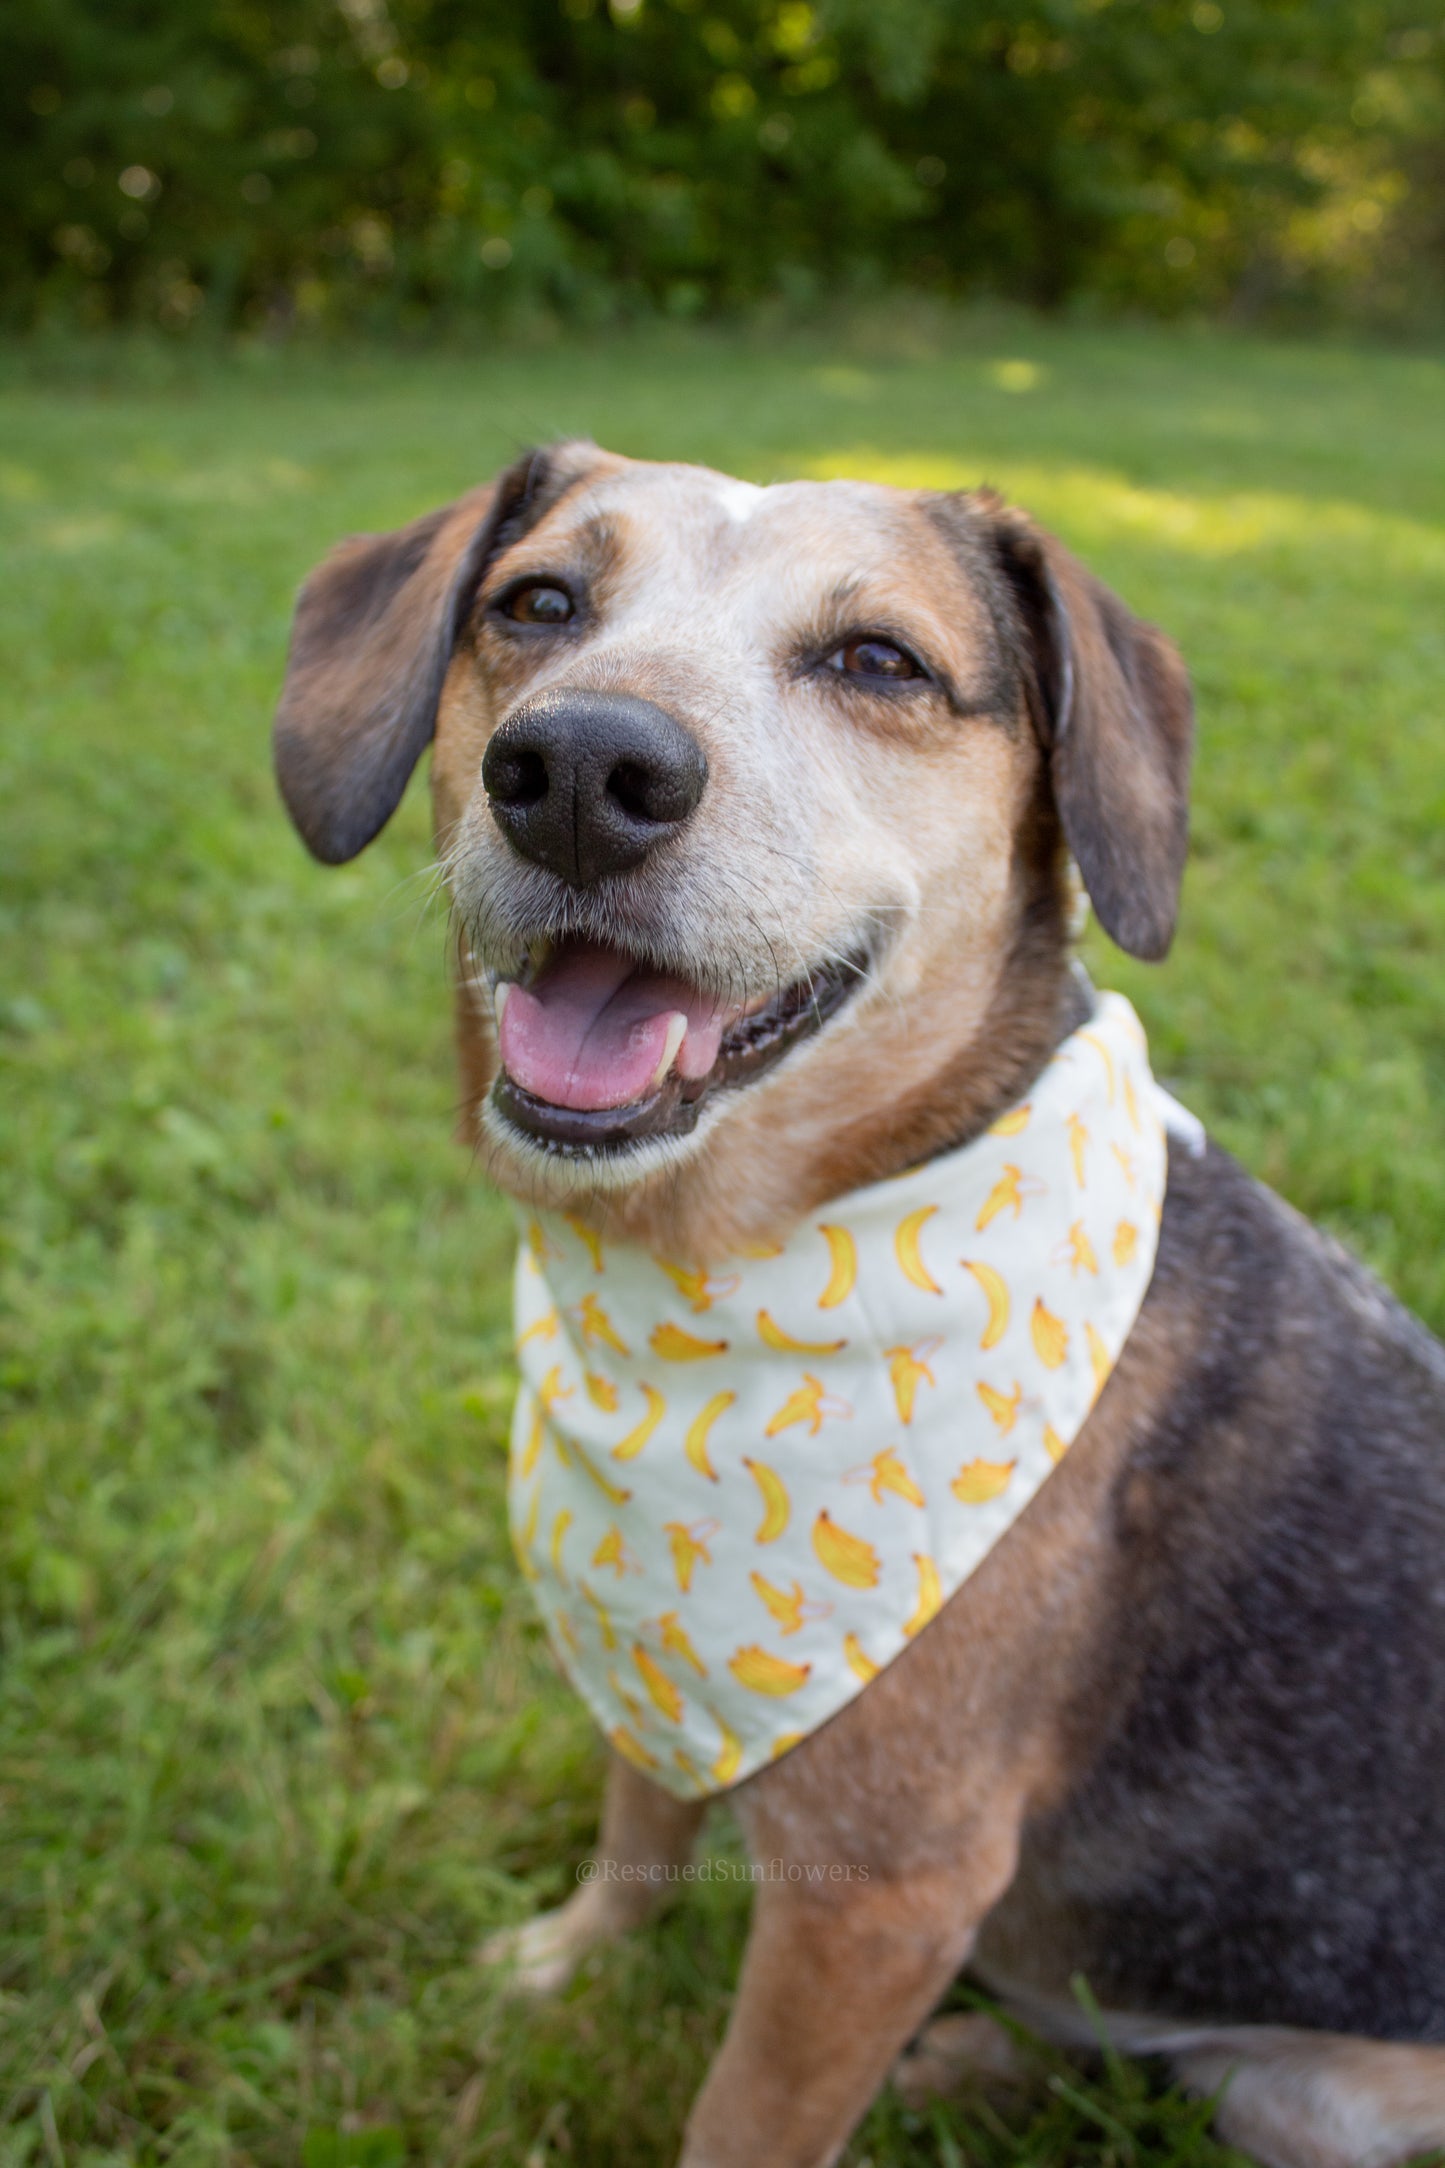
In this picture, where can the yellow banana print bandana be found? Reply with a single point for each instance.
(738, 1493)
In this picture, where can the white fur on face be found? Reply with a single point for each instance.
(835, 821)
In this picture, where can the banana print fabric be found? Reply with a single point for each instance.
(739, 1492)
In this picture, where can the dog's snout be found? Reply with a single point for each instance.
(586, 783)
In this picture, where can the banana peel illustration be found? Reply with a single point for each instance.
(1003, 1407)
(689, 1545)
(675, 1639)
(694, 1443)
(612, 1551)
(1126, 1241)
(1008, 1194)
(792, 1609)
(1077, 1251)
(811, 1404)
(631, 1748)
(600, 1391)
(541, 1328)
(843, 1266)
(850, 1559)
(907, 1370)
(777, 1506)
(701, 1289)
(906, 1249)
(597, 1327)
(886, 1472)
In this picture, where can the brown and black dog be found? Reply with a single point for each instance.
(821, 754)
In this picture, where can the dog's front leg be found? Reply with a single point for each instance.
(645, 1833)
(833, 1985)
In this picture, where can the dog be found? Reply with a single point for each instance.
(819, 761)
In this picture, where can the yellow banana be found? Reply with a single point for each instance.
(663, 1693)
(533, 1445)
(541, 1328)
(1131, 1105)
(777, 1506)
(1003, 1407)
(636, 1439)
(1010, 1124)
(1126, 1162)
(995, 1290)
(773, 1336)
(612, 1492)
(1126, 1237)
(930, 1595)
(676, 1346)
(725, 1768)
(675, 1640)
(1054, 1445)
(551, 1389)
(690, 1770)
(694, 1442)
(591, 1242)
(760, 1250)
(1098, 1359)
(979, 1480)
(843, 1260)
(602, 1615)
(1105, 1057)
(632, 1748)
(569, 1634)
(905, 1248)
(1050, 1335)
(600, 1391)
(859, 1663)
(1078, 1138)
(847, 1557)
(560, 1527)
(762, 1673)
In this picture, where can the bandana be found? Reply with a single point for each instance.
(738, 1492)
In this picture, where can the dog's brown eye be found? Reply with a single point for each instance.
(874, 659)
(539, 604)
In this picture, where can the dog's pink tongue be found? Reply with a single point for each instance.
(591, 1029)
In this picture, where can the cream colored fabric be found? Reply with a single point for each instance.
(739, 1492)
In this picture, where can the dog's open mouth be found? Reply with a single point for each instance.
(600, 1050)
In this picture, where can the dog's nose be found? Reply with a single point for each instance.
(586, 783)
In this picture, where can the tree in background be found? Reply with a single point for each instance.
(386, 161)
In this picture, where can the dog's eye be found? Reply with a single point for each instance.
(874, 659)
(539, 604)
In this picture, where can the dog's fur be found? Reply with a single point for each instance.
(1184, 1731)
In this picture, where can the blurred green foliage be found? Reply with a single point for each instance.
(387, 162)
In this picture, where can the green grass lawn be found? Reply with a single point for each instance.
(279, 1739)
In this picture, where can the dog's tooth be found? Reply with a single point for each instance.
(676, 1033)
(500, 993)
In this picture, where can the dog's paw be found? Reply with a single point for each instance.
(539, 1957)
(967, 2051)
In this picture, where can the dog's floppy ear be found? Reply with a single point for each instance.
(373, 633)
(1111, 703)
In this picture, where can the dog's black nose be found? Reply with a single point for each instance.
(586, 783)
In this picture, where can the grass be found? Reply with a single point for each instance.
(278, 1737)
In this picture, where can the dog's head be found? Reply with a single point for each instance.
(755, 806)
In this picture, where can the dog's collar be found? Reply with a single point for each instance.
(739, 1492)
